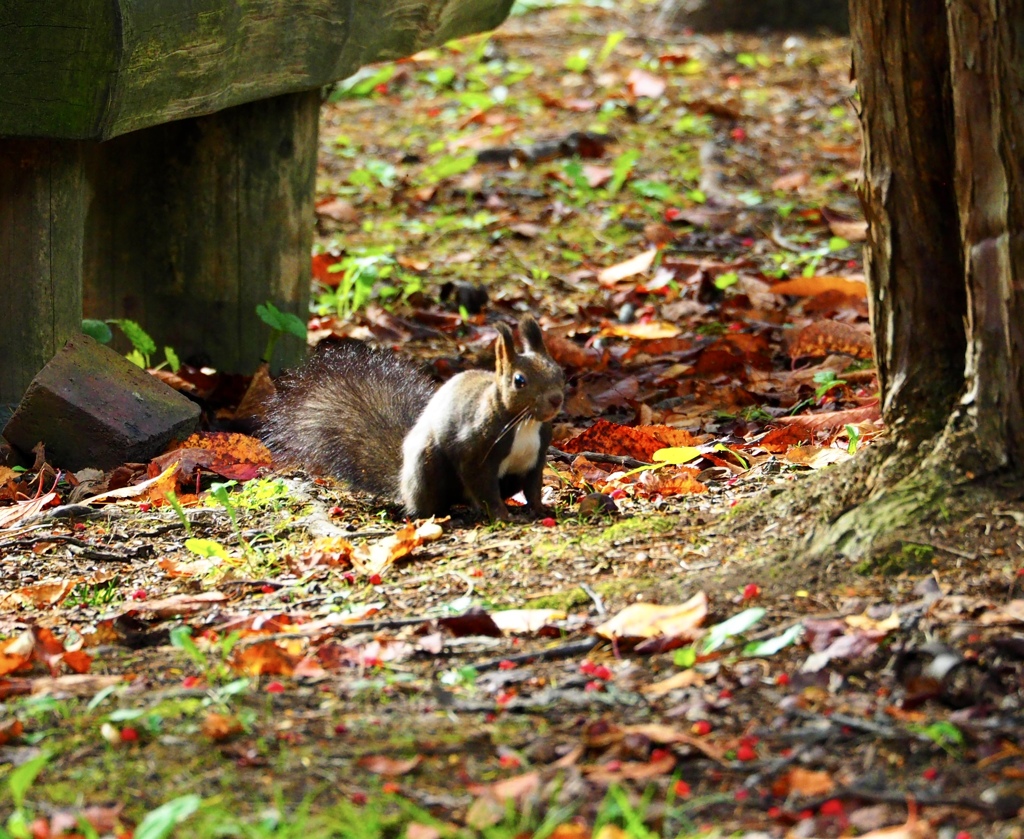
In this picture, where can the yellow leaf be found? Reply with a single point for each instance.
(676, 455)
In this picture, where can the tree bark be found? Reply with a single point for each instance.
(941, 84)
(754, 15)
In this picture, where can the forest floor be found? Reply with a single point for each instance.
(277, 656)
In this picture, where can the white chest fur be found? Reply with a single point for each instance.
(525, 448)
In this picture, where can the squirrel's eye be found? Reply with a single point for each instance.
(519, 380)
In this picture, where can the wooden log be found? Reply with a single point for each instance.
(95, 69)
(42, 222)
(194, 223)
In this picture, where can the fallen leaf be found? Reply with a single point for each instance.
(825, 337)
(811, 286)
(644, 84)
(526, 620)
(648, 620)
(389, 766)
(630, 268)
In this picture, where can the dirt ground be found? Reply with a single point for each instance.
(289, 647)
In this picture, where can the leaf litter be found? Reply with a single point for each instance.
(681, 215)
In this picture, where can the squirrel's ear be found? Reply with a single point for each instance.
(532, 336)
(505, 348)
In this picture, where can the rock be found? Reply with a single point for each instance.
(92, 407)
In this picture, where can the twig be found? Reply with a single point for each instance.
(593, 595)
(550, 654)
(598, 457)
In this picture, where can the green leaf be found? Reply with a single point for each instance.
(136, 358)
(448, 166)
(773, 645)
(363, 82)
(837, 243)
(282, 321)
(621, 168)
(723, 281)
(172, 359)
(653, 189)
(98, 330)
(159, 823)
(137, 335)
(578, 61)
(20, 779)
(685, 657)
(676, 455)
(610, 43)
(736, 625)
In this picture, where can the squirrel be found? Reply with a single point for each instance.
(374, 420)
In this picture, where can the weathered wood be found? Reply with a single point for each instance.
(42, 222)
(194, 223)
(95, 69)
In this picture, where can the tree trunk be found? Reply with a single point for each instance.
(941, 87)
(754, 15)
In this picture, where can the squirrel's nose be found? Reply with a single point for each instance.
(556, 400)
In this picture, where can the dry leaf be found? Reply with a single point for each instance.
(526, 620)
(647, 620)
(630, 268)
(811, 286)
(825, 337)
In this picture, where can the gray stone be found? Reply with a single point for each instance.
(90, 406)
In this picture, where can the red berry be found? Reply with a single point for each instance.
(594, 685)
(375, 579)
(782, 679)
(340, 729)
(658, 755)
(701, 727)
(390, 786)
(741, 794)
(139, 594)
(358, 798)
(507, 665)
(751, 590)
(267, 589)
(129, 735)
(672, 213)
(832, 807)
(549, 522)
(682, 789)
(745, 753)
(509, 761)
(931, 773)
(275, 687)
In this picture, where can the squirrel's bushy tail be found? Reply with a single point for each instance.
(345, 413)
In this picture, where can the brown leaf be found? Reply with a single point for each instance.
(825, 337)
(639, 442)
(389, 766)
(791, 182)
(220, 726)
(811, 286)
(265, 658)
(176, 605)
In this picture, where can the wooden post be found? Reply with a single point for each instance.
(42, 211)
(196, 222)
